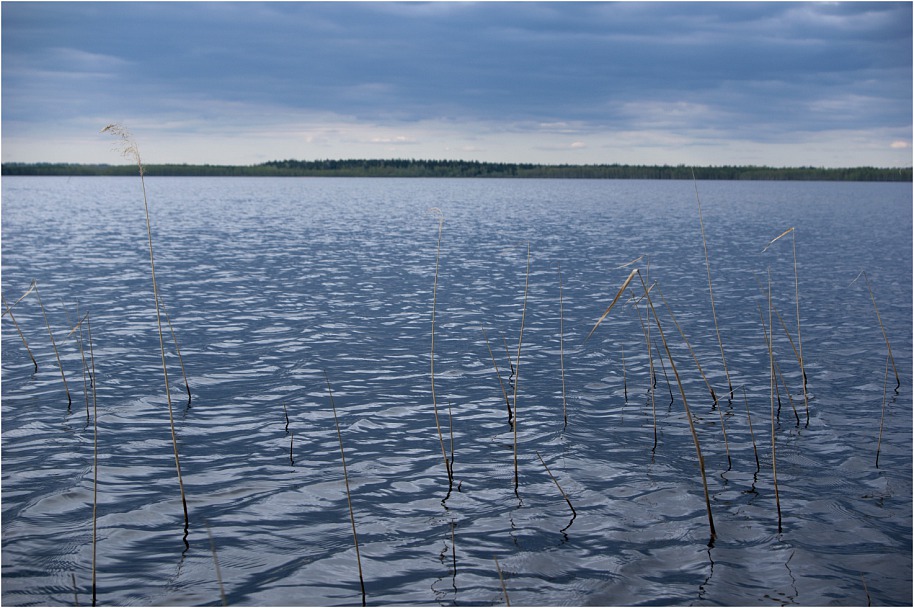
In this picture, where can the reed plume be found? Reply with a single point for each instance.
(129, 149)
(355, 538)
(704, 242)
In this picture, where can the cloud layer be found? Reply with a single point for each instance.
(706, 83)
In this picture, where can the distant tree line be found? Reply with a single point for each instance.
(461, 168)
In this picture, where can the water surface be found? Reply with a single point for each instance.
(275, 286)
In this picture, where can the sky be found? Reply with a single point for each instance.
(718, 83)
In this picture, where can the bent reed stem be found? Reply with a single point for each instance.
(131, 150)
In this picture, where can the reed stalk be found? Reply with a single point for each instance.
(885, 382)
(9, 310)
(94, 461)
(663, 369)
(769, 335)
(520, 341)
(177, 350)
(498, 374)
(355, 537)
(624, 379)
(286, 412)
(704, 242)
(772, 385)
(212, 547)
(501, 578)
(647, 340)
(685, 404)
(129, 149)
(796, 282)
(82, 355)
(562, 348)
(688, 345)
(561, 491)
(53, 343)
(758, 464)
(881, 326)
(447, 466)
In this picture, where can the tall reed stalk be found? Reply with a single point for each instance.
(94, 460)
(520, 341)
(447, 466)
(355, 537)
(885, 381)
(796, 282)
(498, 374)
(881, 326)
(54, 344)
(562, 347)
(704, 242)
(129, 149)
(772, 386)
(685, 404)
(501, 578)
(177, 350)
(758, 464)
(9, 310)
(574, 513)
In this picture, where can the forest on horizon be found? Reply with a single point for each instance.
(460, 168)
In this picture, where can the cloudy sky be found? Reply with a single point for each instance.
(771, 83)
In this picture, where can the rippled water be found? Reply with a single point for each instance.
(275, 286)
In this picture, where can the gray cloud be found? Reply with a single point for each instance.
(748, 71)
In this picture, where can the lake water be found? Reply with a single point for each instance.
(275, 286)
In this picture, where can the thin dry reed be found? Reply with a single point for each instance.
(212, 547)
(94, 459)
(650, 355)
(704, 242)
(881, 326)
(447, 466)
(498, 374)
(885, 382)
(520, 341)
(796, 282)
(562, 347)
(772, 387)
(177, 350)
(53, 343)
(574, 513)
(355, 537)
(501, 578)
(9, 310)
(758, 464)
(685, 404)
(129, 149)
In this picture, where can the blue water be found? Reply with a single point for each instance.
(276, 286)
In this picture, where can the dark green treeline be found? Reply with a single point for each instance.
(459, 168)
